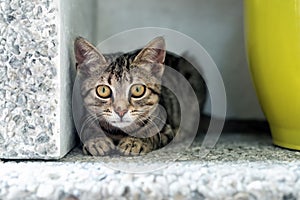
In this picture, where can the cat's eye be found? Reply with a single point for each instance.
(137, 90)
(103, 91)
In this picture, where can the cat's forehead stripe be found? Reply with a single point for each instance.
(119, 69)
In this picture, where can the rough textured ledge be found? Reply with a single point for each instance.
(29, 76)
(239, 167)
(36, 38)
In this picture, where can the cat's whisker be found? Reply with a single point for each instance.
(87, 122)
(90, 121)
(158, 118)
(151, 119)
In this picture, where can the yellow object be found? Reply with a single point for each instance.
(272, 30)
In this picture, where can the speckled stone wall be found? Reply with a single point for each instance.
(35, 78)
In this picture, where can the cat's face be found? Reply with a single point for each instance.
(122, 90)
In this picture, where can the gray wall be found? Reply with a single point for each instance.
(216, 24)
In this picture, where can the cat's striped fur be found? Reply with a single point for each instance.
(120, 122)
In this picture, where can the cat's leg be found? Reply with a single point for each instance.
(134, 146)
(95, 142)
(139, 146)
(98, 146)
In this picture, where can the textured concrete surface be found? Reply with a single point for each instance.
(36, 46)
(29, 75)
(241, 166)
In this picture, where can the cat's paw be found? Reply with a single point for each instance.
(134, 146)
(98, 146)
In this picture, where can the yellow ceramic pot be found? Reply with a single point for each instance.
(272, 30)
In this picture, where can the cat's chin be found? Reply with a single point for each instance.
(121, 125)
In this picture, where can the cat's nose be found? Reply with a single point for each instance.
(121, 112)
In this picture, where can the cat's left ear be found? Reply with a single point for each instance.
(87, 56)
(154, 53)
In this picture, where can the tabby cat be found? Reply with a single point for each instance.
(122, 98)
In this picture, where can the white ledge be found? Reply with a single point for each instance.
(241, 166)
(36, 70)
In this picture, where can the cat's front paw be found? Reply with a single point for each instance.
(99, 146)
(134, 146)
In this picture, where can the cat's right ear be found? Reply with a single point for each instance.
(87, 56)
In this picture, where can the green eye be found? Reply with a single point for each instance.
(103, 91)
(137, 90)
